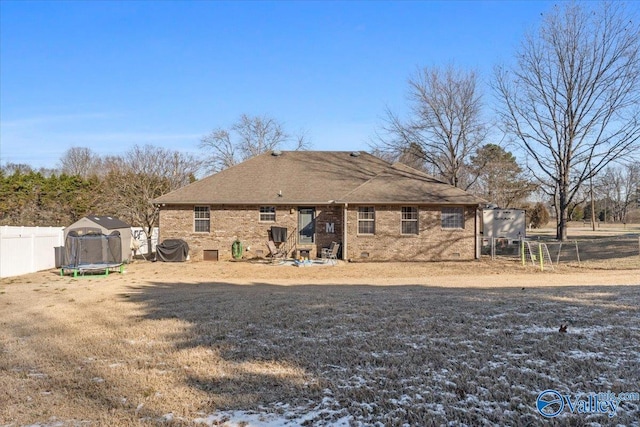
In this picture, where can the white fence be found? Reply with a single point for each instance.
(140, 236)
(29, 249)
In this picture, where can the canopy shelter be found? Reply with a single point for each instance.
(106, 225)
(88, 250)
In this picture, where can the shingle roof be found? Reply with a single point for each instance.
(108, 222)
(318, 177)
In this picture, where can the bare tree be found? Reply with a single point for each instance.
(444, 126)
(141, 175)
(248, 137)
(572, 98)
(80, 161)
(386, 156)
(12, 168)
(617, 186)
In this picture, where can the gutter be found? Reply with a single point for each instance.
(315, 203)
(243, 203)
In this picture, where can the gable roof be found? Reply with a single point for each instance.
(318, 177)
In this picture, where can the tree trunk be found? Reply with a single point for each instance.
(149, 233)
(561, 233)
(563, 215)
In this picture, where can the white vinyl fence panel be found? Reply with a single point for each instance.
(28, 249)
(139, 235)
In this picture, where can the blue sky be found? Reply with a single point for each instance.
(109, 75)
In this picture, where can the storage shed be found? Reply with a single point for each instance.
(106, 225)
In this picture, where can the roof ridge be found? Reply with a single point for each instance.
(426, 175)
(344, 196)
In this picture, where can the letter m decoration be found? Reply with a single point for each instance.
(330, 227)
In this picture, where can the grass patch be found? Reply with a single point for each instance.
(184, 351)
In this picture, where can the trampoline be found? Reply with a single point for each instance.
(88, 251)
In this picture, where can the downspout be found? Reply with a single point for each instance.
(477, 245)
(344, 232)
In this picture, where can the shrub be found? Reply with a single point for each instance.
(577, 213)
(539, 216)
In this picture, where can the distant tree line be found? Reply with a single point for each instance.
(124, 186)
(85, 183)
(44, 198)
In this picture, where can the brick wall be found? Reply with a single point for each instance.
(431, 244)
(242, 222)
(328, 226)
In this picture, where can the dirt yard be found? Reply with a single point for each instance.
(255, 344)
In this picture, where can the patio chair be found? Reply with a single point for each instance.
(330, 254)
(275, 253)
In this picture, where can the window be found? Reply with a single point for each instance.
(202, 219)
(452, 218)
(409, 220)
(267, 214)
(366, 220)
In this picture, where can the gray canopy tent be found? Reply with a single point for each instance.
(95, 244)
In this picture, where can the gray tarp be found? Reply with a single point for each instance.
(172, 250)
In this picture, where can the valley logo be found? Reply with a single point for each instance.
(550, 403)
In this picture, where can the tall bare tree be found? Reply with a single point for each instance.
(572, 98)
(617, 186)
(143, 174)
(444, 126)
(246, 138)
(80, 161)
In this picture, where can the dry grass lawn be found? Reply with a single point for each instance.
(203, 343)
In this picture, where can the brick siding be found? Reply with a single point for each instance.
(242, 222)
(432, 243)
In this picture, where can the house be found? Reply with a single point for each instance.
(105, 225)
(375, 210)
